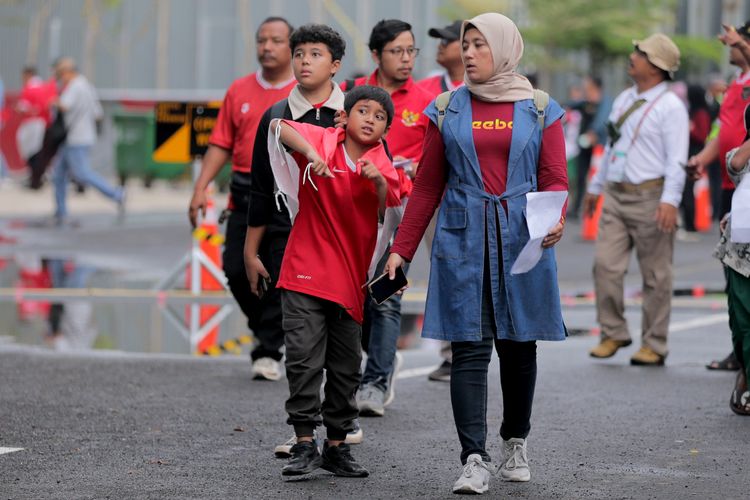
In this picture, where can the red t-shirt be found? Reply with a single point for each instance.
(433, 85)
(244, 104)
(36, 98)
(491, 124)
(732, 125)
(335, 231)
(409, 123)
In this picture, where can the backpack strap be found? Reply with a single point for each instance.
(441, 103)
(541, 100)
(278, 110)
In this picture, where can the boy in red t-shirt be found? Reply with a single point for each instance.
(325, 264)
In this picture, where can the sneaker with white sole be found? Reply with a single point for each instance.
(390, 394)
(370, 401)
(475, 478)
(515, 465)
(356, 436)
(442, 373)
(285, 450)
(266, 369)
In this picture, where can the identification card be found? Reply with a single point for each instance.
(618, 160)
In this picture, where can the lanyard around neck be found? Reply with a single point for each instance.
(643, 117)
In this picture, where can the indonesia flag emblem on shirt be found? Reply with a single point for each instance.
(409, 118)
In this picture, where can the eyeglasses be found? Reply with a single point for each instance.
(399, 52)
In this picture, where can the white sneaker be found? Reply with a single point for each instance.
(515, 462)
(266, 369)
(285, 450)
(356, 436)
(390, 392)
(475, 478)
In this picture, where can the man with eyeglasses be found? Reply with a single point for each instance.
(392, 49)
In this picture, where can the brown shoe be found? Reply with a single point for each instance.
(608, 347)
(646, 357)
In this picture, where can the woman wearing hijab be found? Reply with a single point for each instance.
(489, 152)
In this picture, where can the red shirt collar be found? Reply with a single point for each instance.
(373, 80)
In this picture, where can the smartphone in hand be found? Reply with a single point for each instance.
(382, 288)
(263, 285)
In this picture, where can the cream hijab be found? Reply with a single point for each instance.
(506, 45)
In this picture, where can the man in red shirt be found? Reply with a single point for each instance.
(731, 133)
(392, 48)
(232, 139)
(449, 57)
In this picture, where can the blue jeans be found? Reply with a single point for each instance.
(469, 385)
(75, 162)
(385, 328)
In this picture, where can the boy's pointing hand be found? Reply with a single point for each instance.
(371, 172)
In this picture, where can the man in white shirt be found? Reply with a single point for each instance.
(642, 177)
(81, 110)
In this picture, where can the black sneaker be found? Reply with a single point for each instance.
(305, 459)
(442, 373)
(339, 460)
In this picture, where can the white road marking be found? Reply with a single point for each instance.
(680, 326)
(414, 372)
(713, 319)
(8, 450)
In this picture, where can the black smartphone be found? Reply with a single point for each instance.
(382, 288)
(263, 285)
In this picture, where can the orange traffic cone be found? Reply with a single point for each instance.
(210, 244)
(702, 204)
(590, 226)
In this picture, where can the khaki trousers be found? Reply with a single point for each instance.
(627, 222)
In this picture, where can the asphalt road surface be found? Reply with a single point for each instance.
(115, 425)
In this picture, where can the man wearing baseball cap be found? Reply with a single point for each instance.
(449, 57)
(731, 135)
(642, 181)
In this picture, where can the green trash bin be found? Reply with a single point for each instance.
(135, 146)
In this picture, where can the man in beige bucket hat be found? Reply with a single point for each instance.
(660, 51)
(642, 179)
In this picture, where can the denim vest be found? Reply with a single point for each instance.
(527, 306)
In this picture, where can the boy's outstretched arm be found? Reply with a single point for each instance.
(294, 140)
(370, 171)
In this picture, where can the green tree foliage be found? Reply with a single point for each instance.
(605, 29)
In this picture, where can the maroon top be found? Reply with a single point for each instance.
(492, 126)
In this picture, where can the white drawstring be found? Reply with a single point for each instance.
(307, 175)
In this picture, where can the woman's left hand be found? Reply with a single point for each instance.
(555, 234)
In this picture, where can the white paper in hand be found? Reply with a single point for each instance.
(542, 214)
(740, 221)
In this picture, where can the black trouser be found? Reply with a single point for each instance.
(320, 335)
(263, 316)
(583, 164)
(687, 206)
(714, 183)
(469, 384)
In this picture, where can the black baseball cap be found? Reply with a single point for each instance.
(451, 32)
(744, 30)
